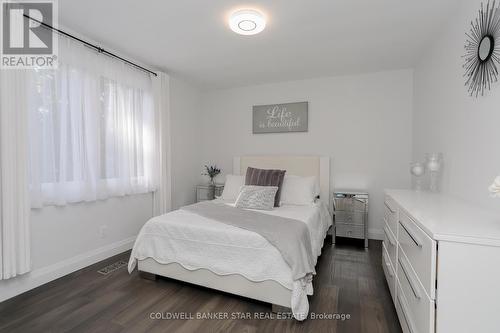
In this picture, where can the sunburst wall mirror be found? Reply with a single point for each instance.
(482, 50)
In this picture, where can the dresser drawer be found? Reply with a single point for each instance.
(391, 215)
(403, 312)
(420, 250)
(390, 244)
(350, 217)
(349, 230)
(420, 307)
(389, 272)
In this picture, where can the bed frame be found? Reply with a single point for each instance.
(266, 291)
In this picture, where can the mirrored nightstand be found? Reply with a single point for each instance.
(351, 214)
(208, 192)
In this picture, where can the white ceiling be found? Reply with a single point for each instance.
(303, 38)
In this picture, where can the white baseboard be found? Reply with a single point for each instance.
(376, 234)
(40, 276)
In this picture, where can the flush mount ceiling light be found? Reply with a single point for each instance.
(247, 22)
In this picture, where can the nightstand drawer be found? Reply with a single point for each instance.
(204, 193)
(344, 203)
(350, 217)
(350, 230)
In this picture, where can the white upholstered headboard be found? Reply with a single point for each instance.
(318, 166)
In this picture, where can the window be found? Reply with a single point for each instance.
(91, 129)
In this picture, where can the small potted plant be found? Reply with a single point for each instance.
(212, 172)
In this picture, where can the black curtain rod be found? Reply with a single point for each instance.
(96, 47)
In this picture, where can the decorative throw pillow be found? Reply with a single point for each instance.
(232, 187)
(299, 190)
(262, 177)
(256, 197)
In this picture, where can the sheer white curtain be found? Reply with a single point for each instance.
(163, 196)
(92, 129)
(14, 194)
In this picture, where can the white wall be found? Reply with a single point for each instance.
(65, 239)
(362, 122)
(448, 120)
(184, 107)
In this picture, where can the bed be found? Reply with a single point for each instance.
(205, 252)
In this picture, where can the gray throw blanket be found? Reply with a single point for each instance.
(291, 237)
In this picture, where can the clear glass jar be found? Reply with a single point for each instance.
(434, 164)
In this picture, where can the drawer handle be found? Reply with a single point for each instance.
(413, 237)
(389, 207)
(389, 237)
(388, 265)
(407, 319)
(410, 280)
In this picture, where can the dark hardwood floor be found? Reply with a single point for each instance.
(350, 281)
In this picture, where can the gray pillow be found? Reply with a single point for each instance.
(263, 177)
(256, 197)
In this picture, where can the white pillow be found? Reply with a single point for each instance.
(299, 190)
(232, 187)
(256, 197)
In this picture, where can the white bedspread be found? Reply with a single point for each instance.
(196, 242)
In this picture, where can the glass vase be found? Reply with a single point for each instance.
(417, 170)
(434, 163)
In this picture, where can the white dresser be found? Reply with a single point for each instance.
(441, 259)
